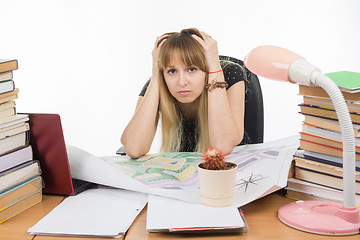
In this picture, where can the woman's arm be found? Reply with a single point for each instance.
(225, 108)
(226, 116)
(140, 131)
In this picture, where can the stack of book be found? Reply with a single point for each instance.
(318, 165)
(20, 176)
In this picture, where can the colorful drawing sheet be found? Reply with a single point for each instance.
(262, 169)
(169, 170)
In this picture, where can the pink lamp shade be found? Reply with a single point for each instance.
(271, 62)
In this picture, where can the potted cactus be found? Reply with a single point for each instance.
(217, 179)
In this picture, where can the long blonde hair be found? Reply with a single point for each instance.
(192, 54)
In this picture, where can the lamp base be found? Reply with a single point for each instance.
(321, 218)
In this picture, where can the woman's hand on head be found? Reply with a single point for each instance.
(155, 52)
(211, 51)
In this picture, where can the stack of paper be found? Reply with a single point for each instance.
(95, 212)
(170, 215)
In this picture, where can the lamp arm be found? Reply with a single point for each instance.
(348, 137)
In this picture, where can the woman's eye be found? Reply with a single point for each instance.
(193, 69)
(171, 71)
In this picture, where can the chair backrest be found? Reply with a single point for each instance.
(254, 109)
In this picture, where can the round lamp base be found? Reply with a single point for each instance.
(321, 218)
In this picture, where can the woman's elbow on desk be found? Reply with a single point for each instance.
(227, 146)
(134, 152)
(227, 149)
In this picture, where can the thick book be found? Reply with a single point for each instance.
(322, 179)
(20, 206)
(347, 81)
(8, 65)
(20, 192)
(353, 106)
(6, 105)
(301, 190)
(8, 112)
(324, 133)
(15, 158)
(325, 137)
(322, 167)
(172, 215)
(19, 174)
(6, 76)
(7, 86)
(324, 149)
(14, 133)
(319, 92)
(302, 196)
(326, 113)
(9, 96)
(14, 129)
(325, 141)
(329, 124)
(13, 142)
(324, 158)
(11, 121)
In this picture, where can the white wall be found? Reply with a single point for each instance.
(87, 60)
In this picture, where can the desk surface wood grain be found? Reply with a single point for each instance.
(16, 227)
(260, 215)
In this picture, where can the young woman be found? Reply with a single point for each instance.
(199, 98)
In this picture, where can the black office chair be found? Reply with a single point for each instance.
(254, 109)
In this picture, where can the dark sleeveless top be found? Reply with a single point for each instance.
(234, 71)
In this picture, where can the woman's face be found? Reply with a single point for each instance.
(185, 83)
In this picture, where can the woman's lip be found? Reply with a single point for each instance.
(184, 92)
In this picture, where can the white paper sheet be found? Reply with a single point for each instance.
(262, 169)
(95, 212)
(166, 213)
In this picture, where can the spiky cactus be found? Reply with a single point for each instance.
(213, 159)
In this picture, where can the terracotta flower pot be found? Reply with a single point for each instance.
(217, 186)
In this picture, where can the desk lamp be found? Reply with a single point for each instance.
(314, 216)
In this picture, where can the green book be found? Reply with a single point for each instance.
(346, 81)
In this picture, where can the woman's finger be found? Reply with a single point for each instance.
(199, 39)
(205, 35)
(160, 39)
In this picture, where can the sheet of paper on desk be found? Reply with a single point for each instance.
(166, 214)
(96, 212)
(262, 169)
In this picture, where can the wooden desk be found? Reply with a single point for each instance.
(261, 216)
(16, 227)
